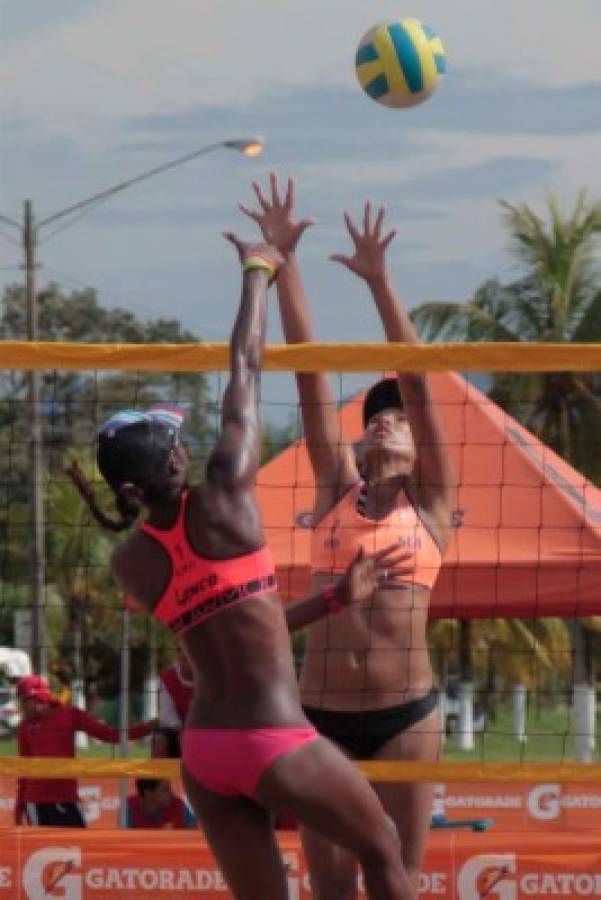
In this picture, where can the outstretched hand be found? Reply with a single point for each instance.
(249, 248)
(276, 216)
(369, 259)
(367, 574)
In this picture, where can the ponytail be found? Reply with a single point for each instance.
(126, 505)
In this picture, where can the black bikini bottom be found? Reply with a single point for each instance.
(363, 733)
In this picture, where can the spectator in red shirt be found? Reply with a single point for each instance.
(48, 729)
(175, 693)
(154, 805)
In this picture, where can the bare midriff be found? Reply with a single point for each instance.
(369, 657)
(244, 673)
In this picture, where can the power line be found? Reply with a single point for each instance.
(9, 238)
(76, 217)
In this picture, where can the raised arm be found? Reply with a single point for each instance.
(332, 460)
(234, 461)
(434, 478)
(83, 721)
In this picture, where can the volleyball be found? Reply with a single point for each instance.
(399, 64)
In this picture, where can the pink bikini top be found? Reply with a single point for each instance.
(338, 536)
(201, 587)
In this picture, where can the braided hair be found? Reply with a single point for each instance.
(129, 457)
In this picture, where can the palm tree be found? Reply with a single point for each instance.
(557, 300)
(530, 652)
(502, 653)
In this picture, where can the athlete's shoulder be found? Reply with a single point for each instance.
(125, 552)
(129, 562)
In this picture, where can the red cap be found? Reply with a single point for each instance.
(35, 687)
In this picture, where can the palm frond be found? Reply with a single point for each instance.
(561, 257)
(592, 623)
(528, 638)
(560, 228)
(481, 319)
(441, 321)
(482, 326)
(522, 307)
(528, 237)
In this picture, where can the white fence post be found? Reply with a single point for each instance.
(465, 732)
(583, 718)
(520, 696)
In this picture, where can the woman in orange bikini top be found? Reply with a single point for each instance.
(366, 680)
(336, 538)
(199, 563)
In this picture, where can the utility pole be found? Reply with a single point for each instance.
(37, 512)
(29, 231)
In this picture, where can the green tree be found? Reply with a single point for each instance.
(557, 300)
(502, 652)
(78, 568)
(83, 604)
(74, 403)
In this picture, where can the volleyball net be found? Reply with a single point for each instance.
(515, 616)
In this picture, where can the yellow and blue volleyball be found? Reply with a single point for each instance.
(399, 64)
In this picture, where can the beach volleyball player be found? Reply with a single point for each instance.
(199, 564)
(366, 680)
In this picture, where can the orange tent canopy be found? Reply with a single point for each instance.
(528, 535)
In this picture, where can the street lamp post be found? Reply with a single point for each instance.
(29, 232)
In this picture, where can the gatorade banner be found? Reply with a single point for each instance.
(99, 801)
(542, 807)
(45, 863)
(539, 807)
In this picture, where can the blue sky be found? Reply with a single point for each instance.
(95, 91)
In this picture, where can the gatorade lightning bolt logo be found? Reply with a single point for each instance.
(489, 880)
(53, 873)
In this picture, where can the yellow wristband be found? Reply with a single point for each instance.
(258, 262)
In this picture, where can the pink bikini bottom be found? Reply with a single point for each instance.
(232, 760)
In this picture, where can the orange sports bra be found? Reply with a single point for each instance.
(201, 587)
(338, 536)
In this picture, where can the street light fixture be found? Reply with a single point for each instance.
(29, 232)
(249, 147)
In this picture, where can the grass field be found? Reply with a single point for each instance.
(549, 738)
(95, 750)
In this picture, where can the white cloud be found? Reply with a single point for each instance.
(460, 229)
(84, 80)
(136, 57)
(574, 156)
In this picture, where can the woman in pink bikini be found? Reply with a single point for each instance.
(366, 681)
(199, 563)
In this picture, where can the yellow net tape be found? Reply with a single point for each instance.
(54, 767)
(473, 357)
